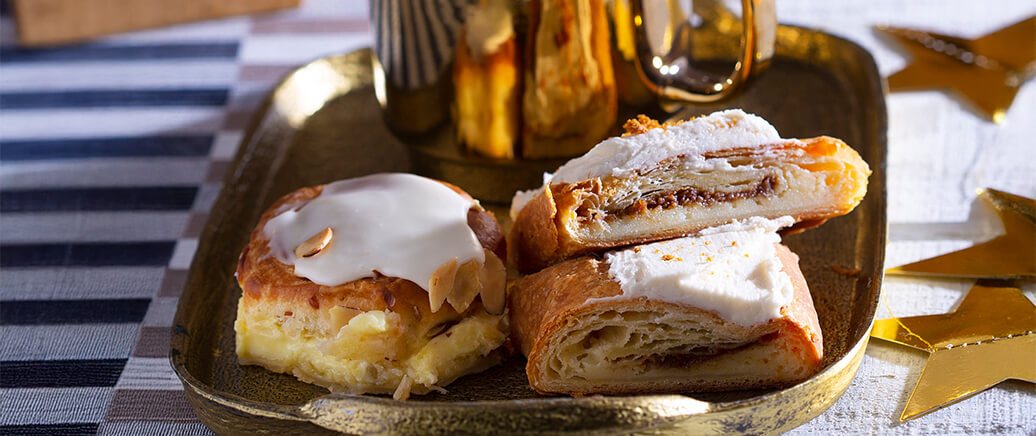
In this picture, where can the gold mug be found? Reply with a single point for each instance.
(663, 54)
(665, 62)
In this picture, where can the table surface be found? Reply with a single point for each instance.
(111, 154)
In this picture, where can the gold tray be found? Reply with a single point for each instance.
(322, 123)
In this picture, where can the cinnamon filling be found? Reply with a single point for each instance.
(692, 195)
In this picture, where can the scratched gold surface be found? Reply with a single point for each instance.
(322, 124)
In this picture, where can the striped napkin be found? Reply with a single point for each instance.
(111, 154)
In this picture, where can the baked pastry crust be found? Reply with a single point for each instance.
(811, 180)
(487, 91)
(372, 335)
(651, 345)
(569, 98)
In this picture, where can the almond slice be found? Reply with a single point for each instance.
(316, 243)
(403, 389)
(441, 283)
(466, 286)
(341, 315)
(494, 284)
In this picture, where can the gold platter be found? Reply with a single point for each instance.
(322, 123)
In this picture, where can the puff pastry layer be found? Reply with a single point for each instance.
(569, 97)
(810, 179)
(372, 335)
(581, 342)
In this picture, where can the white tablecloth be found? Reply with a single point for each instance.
(939, 153)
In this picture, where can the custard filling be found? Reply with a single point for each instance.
(373, 352)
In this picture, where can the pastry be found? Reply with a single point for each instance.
(725, 310)
(486, 76)
(663, 181)
(569, 98)
(388, 284)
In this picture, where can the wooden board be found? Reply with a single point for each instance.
(51, 22)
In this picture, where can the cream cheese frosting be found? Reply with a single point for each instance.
(399, 225)
(732, 270)
(621, 156)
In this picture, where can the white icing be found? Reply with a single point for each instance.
(400, 225)
(523, 197)
(487, 27)
(620, 156)
(731, 269)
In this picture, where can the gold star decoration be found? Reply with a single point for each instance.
(986, 71)
(987, 340)
(1009, 256)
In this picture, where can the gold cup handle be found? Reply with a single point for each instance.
(673, 77)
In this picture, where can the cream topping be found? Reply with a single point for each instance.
(621, 156)
(487, 27)
(522, 197)
(732, 270)
(399, 225)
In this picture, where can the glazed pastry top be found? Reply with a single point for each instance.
(398, 225)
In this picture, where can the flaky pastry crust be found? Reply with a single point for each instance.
(560, 325)
(488, 99)
(570, 105)
(811, 180)
(274, 297)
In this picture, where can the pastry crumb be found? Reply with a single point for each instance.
(642, 123)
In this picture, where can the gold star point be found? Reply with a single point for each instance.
(987, 340)
(1008, 256)
(986, 71)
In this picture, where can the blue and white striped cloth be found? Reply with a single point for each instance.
(111, 154)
